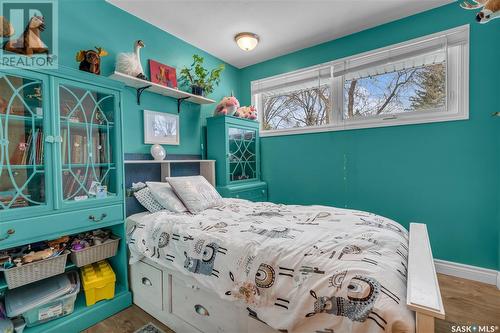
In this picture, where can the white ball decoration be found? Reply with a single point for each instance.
(158, 152)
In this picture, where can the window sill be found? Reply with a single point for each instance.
(367, 123)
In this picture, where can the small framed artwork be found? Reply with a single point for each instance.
(162, 74)
(161, 128)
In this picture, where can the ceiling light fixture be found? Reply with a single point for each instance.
(246, 41)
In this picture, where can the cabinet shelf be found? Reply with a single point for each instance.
(17, 118)
(142, 85)
(84, 165)
(22, 166)
(84, 125)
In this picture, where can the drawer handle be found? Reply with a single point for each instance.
(201, 310)
(146, 282)
(93, 218)
(9, 232)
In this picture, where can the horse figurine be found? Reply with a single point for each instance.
(29, 42)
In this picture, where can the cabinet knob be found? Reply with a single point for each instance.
(96, 219)
(7, 235)
(237, 196)
(146, 282)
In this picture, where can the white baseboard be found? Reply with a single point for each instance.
(485, 275)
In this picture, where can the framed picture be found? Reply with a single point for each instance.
(162, 74)
(160, 127)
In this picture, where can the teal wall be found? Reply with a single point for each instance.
(84, 24)
(443, 174)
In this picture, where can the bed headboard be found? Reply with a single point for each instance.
(141, 168)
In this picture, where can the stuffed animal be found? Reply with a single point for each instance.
(130, 63)
(490, 9)
(90, 60)
(227, 106)
(36, 256)
(248, 112)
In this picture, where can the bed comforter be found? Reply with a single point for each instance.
(297, 268)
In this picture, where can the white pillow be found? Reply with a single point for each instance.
(165, 195)
(196, 193)
(147, 200)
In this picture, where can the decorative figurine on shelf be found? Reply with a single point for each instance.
(158, 152)
(227, 106)
(29, 42)
(490, 9)
(248, 112)
(90, 60)
(130, 63)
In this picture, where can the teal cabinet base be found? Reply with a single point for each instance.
(83, 316)
(253, 191)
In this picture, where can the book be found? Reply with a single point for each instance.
(64, 146)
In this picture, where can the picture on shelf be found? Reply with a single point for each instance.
(160, 127)
(162, 74)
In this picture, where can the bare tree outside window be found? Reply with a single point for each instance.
(407, 90)
(299, 108)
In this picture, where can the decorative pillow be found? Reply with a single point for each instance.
(146, 199)
(165, 195)
(196, 193)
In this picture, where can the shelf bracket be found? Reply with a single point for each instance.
(179, 102)
(139, 93)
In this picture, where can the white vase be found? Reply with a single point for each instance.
(158, 152)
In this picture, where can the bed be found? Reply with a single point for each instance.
(264, 267)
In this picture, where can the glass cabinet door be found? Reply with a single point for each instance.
(242, 154)
(23, 150)
(88, 135)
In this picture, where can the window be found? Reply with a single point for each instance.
(420, 81)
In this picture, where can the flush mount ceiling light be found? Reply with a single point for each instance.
(246, 41)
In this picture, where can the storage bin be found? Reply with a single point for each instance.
(35, 271)
(95, 253)
(45, 301)
(98, 280)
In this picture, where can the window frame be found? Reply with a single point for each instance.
(457, 88)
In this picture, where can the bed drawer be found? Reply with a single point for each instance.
(147, 284)
(202, 309)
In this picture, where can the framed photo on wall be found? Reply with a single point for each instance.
(161, 128)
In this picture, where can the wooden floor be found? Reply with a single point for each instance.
(465, 302)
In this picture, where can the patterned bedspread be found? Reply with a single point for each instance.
(297, 268)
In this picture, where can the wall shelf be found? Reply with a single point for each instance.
(142, 85)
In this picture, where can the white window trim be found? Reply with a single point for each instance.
(457, 91)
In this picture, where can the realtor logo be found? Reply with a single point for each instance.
(29, 34)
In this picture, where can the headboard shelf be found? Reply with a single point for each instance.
(139, 169)
(168, 161)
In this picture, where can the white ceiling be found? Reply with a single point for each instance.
(283, 26)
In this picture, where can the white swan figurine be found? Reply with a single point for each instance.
(130, 63)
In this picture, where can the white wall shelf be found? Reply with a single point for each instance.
(142, 85)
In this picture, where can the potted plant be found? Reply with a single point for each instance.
(201, 80)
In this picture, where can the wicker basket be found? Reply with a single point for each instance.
(95, 253)
(39, 270)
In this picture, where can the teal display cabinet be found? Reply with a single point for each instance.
(234, 144)
(60, 136)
